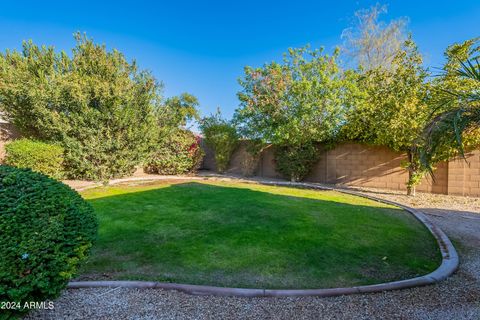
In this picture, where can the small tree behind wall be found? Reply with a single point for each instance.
(176, 149)
(372, 43)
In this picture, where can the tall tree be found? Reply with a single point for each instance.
(294, 105)
(94, 103)
(393, 111)
(299, 101)
(373, 43)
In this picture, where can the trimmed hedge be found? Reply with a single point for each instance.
(177, 153)
(38, 156)
(46, 231)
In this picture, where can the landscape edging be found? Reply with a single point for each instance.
(448, 266)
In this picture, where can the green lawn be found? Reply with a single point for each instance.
(248, 235)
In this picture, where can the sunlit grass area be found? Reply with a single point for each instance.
(249, 235)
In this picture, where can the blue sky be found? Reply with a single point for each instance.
(201, 47)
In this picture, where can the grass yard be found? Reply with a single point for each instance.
(249, 235)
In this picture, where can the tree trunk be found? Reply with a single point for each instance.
(410, 188)
(411, 175)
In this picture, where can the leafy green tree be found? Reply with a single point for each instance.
(393, 110)
(222, 137)
(299, 101)
(176, 149)
(398, 99)
(177, 111)
(94, 103)
(294, 104)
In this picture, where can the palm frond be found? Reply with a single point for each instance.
(445, 131)
(458, 132)
(470, 69)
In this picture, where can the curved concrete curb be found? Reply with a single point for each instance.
(448, 266)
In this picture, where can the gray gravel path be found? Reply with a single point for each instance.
(458, 297)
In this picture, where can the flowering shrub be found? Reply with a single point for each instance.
(46, 231)
(179, 152)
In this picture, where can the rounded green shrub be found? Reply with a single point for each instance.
(177, 153)
(295, 162)
(38, 156)
(46, 231)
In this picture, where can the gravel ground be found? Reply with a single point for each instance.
(458, 297)
(457, 204)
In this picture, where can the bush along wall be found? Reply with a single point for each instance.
(222, 137)
(46, 232)
(39, 156)
(295, 162)
(178, 152)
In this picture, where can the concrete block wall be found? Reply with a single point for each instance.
(208, 162)
(360, 165)
(267, 166)
(236, 160)
(464, 175)
(371, 166)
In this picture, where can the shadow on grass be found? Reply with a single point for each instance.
(224, 235)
